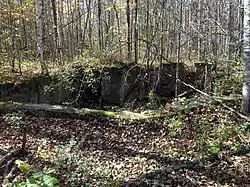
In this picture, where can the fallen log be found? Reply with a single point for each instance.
(59, 111)
(246, 118)
(9, 156)
(3, 151)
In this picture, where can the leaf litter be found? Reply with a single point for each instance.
(122, 152)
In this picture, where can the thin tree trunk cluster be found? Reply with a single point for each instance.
(139, 31)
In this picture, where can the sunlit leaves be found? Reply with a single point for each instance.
(24, 167)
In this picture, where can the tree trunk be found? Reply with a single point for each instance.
(246, 51)
(231, 36)
(129, 29)
(88, 4)
(57, 42)
(178, 52)
(136, 31)
(39, 34)
(100, 33)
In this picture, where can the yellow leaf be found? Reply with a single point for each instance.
(24, 167)
(43, 154)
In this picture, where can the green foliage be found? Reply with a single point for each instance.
(16, 121)
(213, 139)
(63, 80)
(75, 167)
(91, 79)
(176, 126)
(153, 101)
(246, 127)
(24, 167)
(33, 178)
(229, 84)
(71, 165)
(182, 101)
(66, 78)
(74, 80)
(213, 147)
(37, 179)
(204, 128)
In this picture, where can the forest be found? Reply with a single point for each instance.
(124, 93)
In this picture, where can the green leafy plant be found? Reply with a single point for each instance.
(213, 139)
(33, 178)
(153, 101)
(213, 146)
(176, 126)
(186, 104)
(37, 179)
(61, 84)
(18, 125)
(73, 82)
(228, 85)
(74, 167)
(17, 121)
(24, 167)
(245, 127)
(205, 141)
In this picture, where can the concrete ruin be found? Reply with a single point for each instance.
(115, 87)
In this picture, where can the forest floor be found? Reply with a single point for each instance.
(207, 146)
(28, 71)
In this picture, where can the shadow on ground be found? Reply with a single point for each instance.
(124, 138)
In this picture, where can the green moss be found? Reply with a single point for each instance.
(109, 113)
(98, 113)
(70, 110)
(9, 104)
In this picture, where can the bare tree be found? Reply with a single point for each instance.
(211, 30)
(128, 29)
(39, 34)
(100, 32)
(179, 50)
(246, 83)
(57, 38)
(136, 31)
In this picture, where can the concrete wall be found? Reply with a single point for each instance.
(117, 85)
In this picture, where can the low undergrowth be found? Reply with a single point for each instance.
(114, 152)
